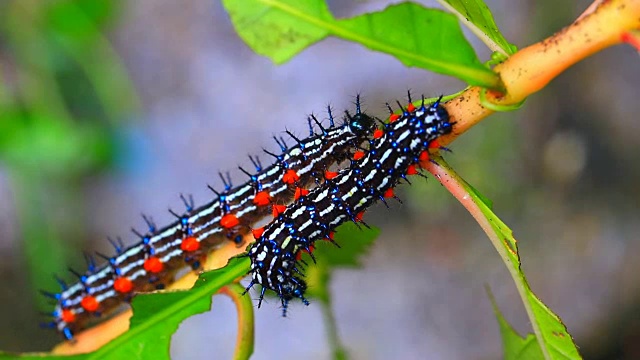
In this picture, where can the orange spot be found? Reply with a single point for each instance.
(434, 144)
(393, 117)
(411, 108)
(123, 285)
(68, 316)
(190, 244)
(300, 192)
(377, 134)
(257, 233)
(290, 177)
(153, 265)
(411, 170)
(331, 234)
(262, 198)
(228, 221)
(278, 209)
(330, 174)
(89, 303)
(358, 155)
(359, 216)
(388, 193)
(424, 156)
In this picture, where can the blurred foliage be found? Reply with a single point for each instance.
(62, 90)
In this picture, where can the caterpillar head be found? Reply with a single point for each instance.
(272, 267)
(360, 124)
(292, 288)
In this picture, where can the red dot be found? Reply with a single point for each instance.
(330, 174)
(68, 316)
(262, 198)
(153, 265)
(257, 233)
(89, 303)
(358, 155)
(290, 177)
(300, 192)
(434, 144)
(123, 285)
(424, 156)
(228, 221)
(190, 244)
(377, 134)
(411, 108)
(359, 216)
(393, 117)
(411, 170)
(278, 209)
(388, 193)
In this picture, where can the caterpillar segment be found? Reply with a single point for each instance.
(154, 259)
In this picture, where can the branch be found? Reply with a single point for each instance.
(533, 67)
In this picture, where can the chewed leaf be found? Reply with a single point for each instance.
(158, 315)
(426, 38)
(515, 346)
(476, 15)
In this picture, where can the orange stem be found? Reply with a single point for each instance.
(533, 67)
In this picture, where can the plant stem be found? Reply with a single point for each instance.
(532, 68)
(455, 185)
(246, 328)
(338, 350)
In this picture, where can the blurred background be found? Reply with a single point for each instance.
(110, 109)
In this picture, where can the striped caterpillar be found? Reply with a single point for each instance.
(394, 151)
(153, 261)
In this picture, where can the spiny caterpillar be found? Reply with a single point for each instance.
(394, 152)
(152, 262)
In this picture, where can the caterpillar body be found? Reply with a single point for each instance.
(152, 262)
(393, 153)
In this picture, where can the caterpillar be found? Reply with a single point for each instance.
(393, 153)
(152, 262)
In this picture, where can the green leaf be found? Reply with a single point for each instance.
(158, 315)
(426, 38)
(279, 29)
(353, 241)
(551, 334)
(515, 346)
(475, 14)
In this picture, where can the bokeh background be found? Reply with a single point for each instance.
(109, 109)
